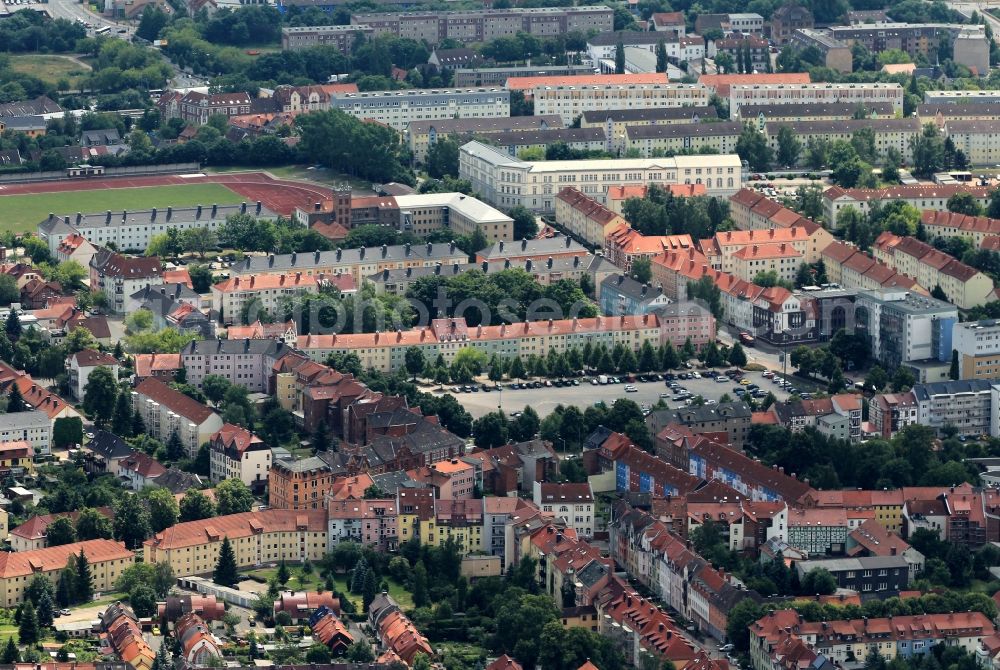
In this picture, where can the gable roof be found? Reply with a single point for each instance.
(176, 401)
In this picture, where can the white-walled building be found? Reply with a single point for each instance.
(236, 453)
(165, 411)
(82, 363)
(573, 503)
(32, 427)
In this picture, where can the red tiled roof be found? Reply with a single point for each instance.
(176, 401)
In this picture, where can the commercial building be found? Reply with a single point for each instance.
(107, 559)
(584, 217)
(446, 337)
(487, 25)
(165, 411)
(965, 405)
(397, 108)
(267, 536)
(35, 428)
(505, 181)
(422, 135)
(236, 453)
(498, 76)
(836, 54)
(340, 37)
(742, 95)
(359, 263)
(569, 99)
(921, 196)
(964, 286)
(118, 277)
(650, 140)
(904, 327)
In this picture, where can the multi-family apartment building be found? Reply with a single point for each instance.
(905, 327)
(196, 107)
(965, 405)
(808, 242)
(243, 362)
(787, 19)
(359, 263)
(749, 23)
(246, 299)
(300, 484)
(602, 47)
(422, 135)
(32, 427)
(397, 108)
(505, 181)
(118, 277)
(569, 99)
(889, 413)
(267, 536)
(236, 453)
(836, 54)
(107, 559)
(620, 294)
(977, 345)
(650, 140)
(889, 133)
(537, 250)
(584, 217)
(165, 411)
(921, 196)
(80, 364)
(487, 25)
(615, 121)
(446, 337)
(340, 37)
(742, 95)
(916, 39)
(578, 139)
(738, 47)
(573, 503)
(953, 224)
(832, 111)
(310, 98)
(976, 139)
(965, 286)
(855, 269)
(498, 76)
(970, 110)
(964, 97)
(624, 245)
(750, 210)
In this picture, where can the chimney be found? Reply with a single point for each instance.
(576, 261)
(486, 265)
(501, 245)
(270, 261)
(79, 217)
(107, 219)
(569, 241)
(317, 257)
(430, 248)
(317, 206)
(524, 243)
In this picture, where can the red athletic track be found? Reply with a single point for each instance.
(278, 195)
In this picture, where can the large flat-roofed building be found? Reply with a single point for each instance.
(107, 559)
(32, 427)
(505, 181)
(133, 230)
(836, 54)
(498, 76)
(267, 536)
(340, 37)
(489, 24)
(659, 140)
(569, 100)
(398, 108)
(422, 135)
(891, 132)
(905, 327)
(978, 139)
(742, 95)
(916, 39)
(424, 213)
(978, 347)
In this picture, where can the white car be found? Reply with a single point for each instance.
(630, 389)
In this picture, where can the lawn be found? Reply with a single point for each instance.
(324, 176)
(23, 213)
(314, 581)
(49, 69)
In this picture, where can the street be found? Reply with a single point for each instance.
(73, 10)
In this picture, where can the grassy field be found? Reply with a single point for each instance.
(22, 213)
(298, 582)
(323, 176)
(49, 69)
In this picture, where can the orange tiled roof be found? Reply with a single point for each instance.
(194, 533)
(525, 83)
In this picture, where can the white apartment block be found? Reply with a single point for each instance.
(262, 292)
(569, 101)
(236, 453)
(742, 95)
(967, 405)
(33, 427)
(397, 109)
(573, 503)
(895, 133)
(246, 363)
(165, 411)
(505, 181)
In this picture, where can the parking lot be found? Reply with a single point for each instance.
(545, 399)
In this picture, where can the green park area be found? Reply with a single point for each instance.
(51, 69)
(22, 213)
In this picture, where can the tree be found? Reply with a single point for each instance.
(60, 531)
(490, 430)
(525, 223)
(752, 147)
(819, 581)
(195, 506)
(642, 270)
(99, 395)
(8, 290)
(442, 158)
(214, 387)
(419, 585)
(121, 419)
(789, 147)
(10, 653)
(225, 569)
(131, 521)
(661, 56)
(27, 630)
(741, 617)
(83, 585)
(671, 360)
(964, 203)
(519, 624)
(360, 652)
(92, 525)
(13, 325)
(143, 600)
(415, 362)
(737, 356)
(232, 496)
(620, 57)
(928, 151)
(153, 21)
(283, 575)
(877, 379)
(163, 509)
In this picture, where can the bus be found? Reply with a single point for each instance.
(103, 31)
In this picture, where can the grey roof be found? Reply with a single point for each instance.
(100, 137)
(972, 108)
(592, 573)
(653, 114)
(109, 445)
(40, 105)
(703, 414)
(231, 347)
(597, 438)
(161, 292)
(494, 125)
(847, 125)
(926, 391)
(425, 437)
(733, 128)
(399, 252)
(178, 481)
(18, 420)
(590, 263)
(629, 37)
(912, 303)
(168, 215)
(534, 247)
(860, 563)
(631, 288)
(549, 135)
(819, 39)
(831, 110)
(391, 482)
(24, 122)
(974, 126)
(304, 464)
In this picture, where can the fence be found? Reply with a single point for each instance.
(122, 171)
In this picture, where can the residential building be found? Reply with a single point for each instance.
(855, 269)
(971, 48)
(836, 54)
(891, 132)
(32, 427)
(37, 397)
(569, 98)
(602, 48)
(742, 95)
(808, 241)
(369, 522)
(747, 23)
(706, 138)
(162, 366)
(422, 135)
(740, 47)
(236, 453)
(176, 307)
(975, 138)
(573, 503)
(451, 479)
(889, 413)
(537, 250)
(248, 298)
(977, 345)
(728, 421)
(75, 247)
(267, 536)
(486, 25)
(165, 411)
(301, 604)
(577, 139)
(79, 365)
(670, 22)
(107, 559)
(425, 213)
(340, 37)
(584, 217)
(785, 20)
(359, 263)
(299, 484)
(199, 647)
(17, 458)
(291, 100)
(104, 452)
(624, 245)
(118, 277)
(750, 210)
(964, 405)
(781, 260)
(504, 181)
(872, 539)
(330, 631)
(964, 286)
(397, 108)
(498, 76)
(196, 107)
(445, 337)
(622, 295)
(617, 196)
(720, 84)
(921, 196)
(952, 224)
(31, 534)
(395, 631)
(133, 230)
(139, 470)
(874, 577)
(830, 111)
(969, 110)
(905, 327)
(674, 270)
(916, 39)
(615, 121)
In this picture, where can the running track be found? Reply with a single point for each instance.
(278, 195)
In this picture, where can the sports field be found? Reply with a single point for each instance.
(23, 213)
